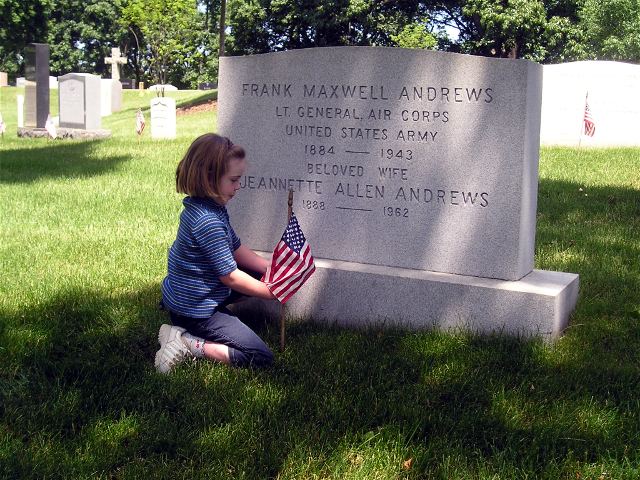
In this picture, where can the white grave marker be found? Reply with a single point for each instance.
(163, 118)
(20, 102)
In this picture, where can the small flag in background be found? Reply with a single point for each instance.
(589, 124)
(50, 127)
(3, 126)
(139, 122)
(291, 263)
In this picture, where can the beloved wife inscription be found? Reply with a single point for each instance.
(408, 158)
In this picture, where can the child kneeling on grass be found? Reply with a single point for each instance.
(208, 265)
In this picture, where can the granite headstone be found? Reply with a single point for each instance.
(78, 101)
(110, 96)
(36, 85)
(428, 169)
(4, 79)
(20, 106)
(409, 167)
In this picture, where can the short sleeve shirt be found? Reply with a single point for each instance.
(201, 254)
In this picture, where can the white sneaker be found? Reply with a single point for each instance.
(172, 349)
(163, 334)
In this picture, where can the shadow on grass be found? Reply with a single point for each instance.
(79, 395)
(595, 232)
(55, 159)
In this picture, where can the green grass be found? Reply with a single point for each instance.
(85, 228)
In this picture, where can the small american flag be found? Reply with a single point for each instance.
(3, 126)
(589, 124)
(50, 127)
(291, 263)
(139, 122)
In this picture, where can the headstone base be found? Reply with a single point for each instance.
(74, 133)
(354, 294)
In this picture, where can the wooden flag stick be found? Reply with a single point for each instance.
(282, 308)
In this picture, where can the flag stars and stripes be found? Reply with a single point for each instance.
(291, 263)
(589, 123)
(140, 123)
(293, 236)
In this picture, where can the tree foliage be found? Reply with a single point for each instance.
(534, 29)
(165, 26)
(611, 29)
(81, 33)
(271, 25)
(415, 35)
(23, 22)
(176, 41)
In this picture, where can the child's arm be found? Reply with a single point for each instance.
(245, 283)
(250, 260)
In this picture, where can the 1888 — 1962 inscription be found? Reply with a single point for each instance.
(395, 157)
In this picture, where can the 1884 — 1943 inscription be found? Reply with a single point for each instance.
(404, 158)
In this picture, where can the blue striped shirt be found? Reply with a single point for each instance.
(201, 254)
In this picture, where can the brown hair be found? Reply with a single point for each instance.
(206, 161)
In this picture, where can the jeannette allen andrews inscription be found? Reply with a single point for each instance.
(416, 162)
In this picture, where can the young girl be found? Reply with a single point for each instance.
(207, 262)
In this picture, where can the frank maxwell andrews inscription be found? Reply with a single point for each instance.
(397, 158)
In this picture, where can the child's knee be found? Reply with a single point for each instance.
(261, 358)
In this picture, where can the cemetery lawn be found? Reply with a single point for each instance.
(85, 230)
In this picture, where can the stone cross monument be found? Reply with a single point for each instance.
(115, 60)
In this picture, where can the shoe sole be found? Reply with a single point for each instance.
(163, 337)
(163, 334)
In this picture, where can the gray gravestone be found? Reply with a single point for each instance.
(430, 169)
(404, 163)
(127, 83)
(116, 96)
(79, 101)
(36, 85)
(110, 96)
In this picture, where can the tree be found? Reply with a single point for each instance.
(534, 29)
(23, 22)
(272, 25)
(80, 34)
(166, 26)
(611, 29)
(415, 35)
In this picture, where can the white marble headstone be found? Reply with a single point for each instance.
(106, 93)
(163, 118)
(20, 106)
(610, 89)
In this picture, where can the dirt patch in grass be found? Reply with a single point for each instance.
(201, 107)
